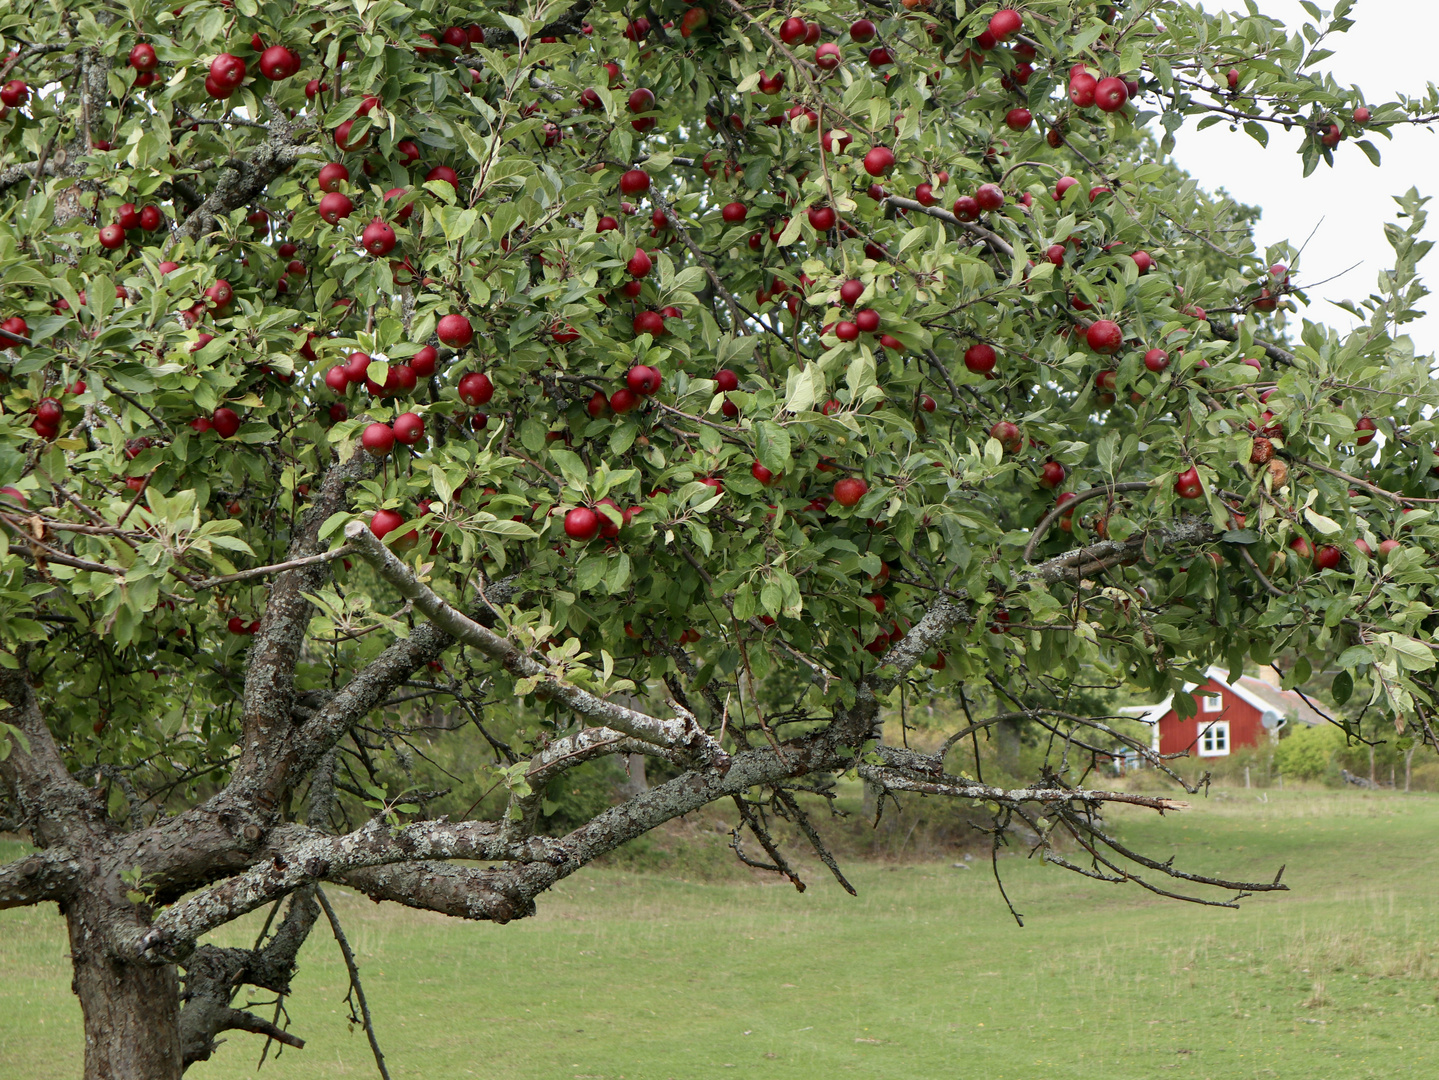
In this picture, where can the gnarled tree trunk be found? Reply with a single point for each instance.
(131, 1009)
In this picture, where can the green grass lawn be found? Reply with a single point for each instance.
(924, 975)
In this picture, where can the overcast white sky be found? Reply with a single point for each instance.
(1351, 202)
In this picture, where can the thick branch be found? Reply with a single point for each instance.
(48, 875)
(269, 682)
(372, 684)
(959, 788)
(57, 808)
(242, 180)
(458, 891)
(683, 732)
(998, 243)
(1068, 508)
(317, 857)
(1274, 352)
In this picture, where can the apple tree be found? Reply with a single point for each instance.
(685, 381)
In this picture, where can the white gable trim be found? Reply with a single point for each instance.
(1221, 676)
(1151, 716)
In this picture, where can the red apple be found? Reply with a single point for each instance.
(333, 175)
(335, 207)
(989, 197)
(226, 422)
(649, 322)
(1187, 484)
(423, 362)
(643, 380)
(1105, 337)
(1082, 88)
(582, 524)
(378, 439)
(278, 62)
(822, 217)
(879, 161)
(343, 140)
(143, 58)
(384, 522)
(1007, 432)
(1005, 23)
(227, 70)
(635, 182)
(408, 428)
(445, 173)
(639, 265)
(979, 358)
(455, 331)
(850, 490)
(378, 238)
(1111, 94)
(476, 389)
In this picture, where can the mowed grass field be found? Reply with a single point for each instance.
(645, 977)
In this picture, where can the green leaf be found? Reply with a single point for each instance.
(335, 522)
(1327, 526)
(572, 467)
(772, 446)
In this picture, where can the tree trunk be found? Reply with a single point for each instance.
(131, 1010)
(1409, 764)
(635, 781)
(1007, 745)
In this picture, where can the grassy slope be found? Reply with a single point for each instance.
(924, 975)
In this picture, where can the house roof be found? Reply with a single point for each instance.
(1285, 702)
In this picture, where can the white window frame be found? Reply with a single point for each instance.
(1214, 739)
(1213, 703)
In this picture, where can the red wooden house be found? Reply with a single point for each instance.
(1227, 716)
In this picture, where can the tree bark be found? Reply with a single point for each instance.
(635, 780)
(131, 1010)
(1007, 745)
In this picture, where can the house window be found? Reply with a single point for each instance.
(1213, 702)
(1214, 739)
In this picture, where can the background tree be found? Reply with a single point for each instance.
(586, 370)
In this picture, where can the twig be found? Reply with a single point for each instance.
(1269, 586)
(121, 394)
(766, 842)
(1067, 507)
(135, 501)
(998, 243)
(355, 987)
(1365, 484)
(802, 820)
(264, 571)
